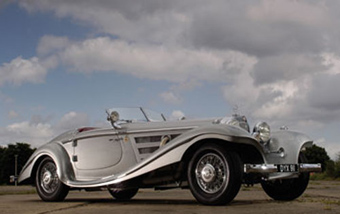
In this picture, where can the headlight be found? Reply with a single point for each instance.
(262, 132)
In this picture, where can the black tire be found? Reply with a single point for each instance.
(123, 195)
(214, 175)
(47, 183)
(287, 189)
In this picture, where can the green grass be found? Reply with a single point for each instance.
(28, 192)
(322, 177)
(16, 190)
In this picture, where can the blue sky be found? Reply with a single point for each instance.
(62, 63)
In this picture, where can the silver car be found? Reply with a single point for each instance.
(211, 157)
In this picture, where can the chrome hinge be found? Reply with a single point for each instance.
(75, 143)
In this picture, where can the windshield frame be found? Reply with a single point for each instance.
(138, 114)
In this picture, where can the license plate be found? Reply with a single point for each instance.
(287, 168)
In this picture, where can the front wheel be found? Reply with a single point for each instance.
(123, 195)
(47, 182)
(287, 189)
(214, 175)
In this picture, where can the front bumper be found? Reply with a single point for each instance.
(280, 168)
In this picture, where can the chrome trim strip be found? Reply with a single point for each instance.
(308, 167)
(157, 130)
(122, 132)
(272, 168)
(259, 168)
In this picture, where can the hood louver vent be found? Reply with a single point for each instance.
(149, 144)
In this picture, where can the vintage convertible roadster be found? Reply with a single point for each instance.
(142, 150)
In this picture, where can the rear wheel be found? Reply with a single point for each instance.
(123, 195)
(287, 189)
(214, 175)
(47, 182)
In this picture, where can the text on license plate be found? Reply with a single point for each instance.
(287, 168)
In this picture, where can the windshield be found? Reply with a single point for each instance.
(137, 114)
(153, 116)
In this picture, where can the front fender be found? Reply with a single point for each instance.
(285, 146)
(60, 157)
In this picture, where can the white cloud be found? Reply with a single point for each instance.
(259, 27)
(177, 115)
(40, 130)
(242, 92)
(50, 44)
(324, 94)
(72, 120)
(21, 70)
(291, 91)
(277, 106)
(170, 97)
(332, 61)
(151, 21)
(266, 53)
(287, 67)
(239, 25)
(277, 60)
(13, 114)
(174, 64)
(332, 148)
(290, 11)
(34, 134)
(6, 99)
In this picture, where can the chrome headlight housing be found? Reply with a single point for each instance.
(262, 132)
(113, 117)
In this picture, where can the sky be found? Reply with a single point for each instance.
(62, 63)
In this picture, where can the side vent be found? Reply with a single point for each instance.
(147, 150)
(151, 139)
(149, 144)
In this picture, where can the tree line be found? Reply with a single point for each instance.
(22, 151)
(8, 154)
(330, 168)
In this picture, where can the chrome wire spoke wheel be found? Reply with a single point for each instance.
(47, 182)
(48, 178)
(212, 173)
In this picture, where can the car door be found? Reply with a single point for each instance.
(97, 153)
